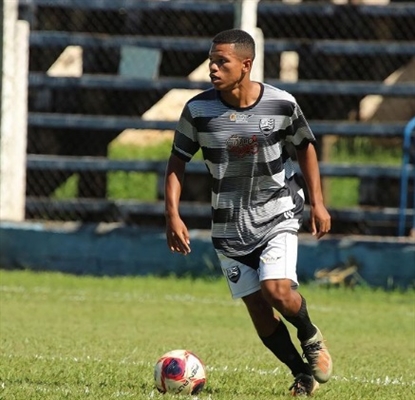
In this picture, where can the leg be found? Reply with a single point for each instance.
(274, 334)
(261, 313)
(291, 305)
(278, 277)
(280, 294)
(243, 283)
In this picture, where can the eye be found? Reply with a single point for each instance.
(217, 61)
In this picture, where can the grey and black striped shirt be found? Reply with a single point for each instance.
(254, 194)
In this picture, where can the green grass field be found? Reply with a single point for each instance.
(69, 337)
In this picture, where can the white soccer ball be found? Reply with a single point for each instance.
(179, 372)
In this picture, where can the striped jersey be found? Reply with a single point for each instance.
(254, 193)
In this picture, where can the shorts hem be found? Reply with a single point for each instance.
(239, 295)
(294, 283)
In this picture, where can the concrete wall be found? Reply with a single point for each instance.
(120, 250)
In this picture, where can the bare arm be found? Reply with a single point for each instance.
(319, 217)
(176, 231)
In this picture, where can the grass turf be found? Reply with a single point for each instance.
(71, 337)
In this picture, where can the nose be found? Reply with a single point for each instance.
(212, 66)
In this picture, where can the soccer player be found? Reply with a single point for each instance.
(242, 128)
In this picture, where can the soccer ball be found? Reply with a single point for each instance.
(179, 372)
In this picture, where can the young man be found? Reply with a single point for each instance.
(242, 128)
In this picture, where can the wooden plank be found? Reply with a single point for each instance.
(117, 123)
(366, 48)
(64, 39)
(192, 209)
(265, 7)
(115, 5)
(315, 87)
(201, 44)
(95, 164)
(95, 122)
(330, 9)
(114, 82)
(101, 164)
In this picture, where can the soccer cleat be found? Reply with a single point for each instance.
(317, 355)
(304, 385)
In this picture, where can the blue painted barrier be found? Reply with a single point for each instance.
(114, 250)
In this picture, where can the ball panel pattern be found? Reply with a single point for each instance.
(180, 372)
(173, 368)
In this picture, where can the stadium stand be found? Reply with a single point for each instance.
(61, 110)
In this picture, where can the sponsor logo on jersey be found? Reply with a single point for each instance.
(241, 146)
(239, 118)
(233, 274)
(266, 125)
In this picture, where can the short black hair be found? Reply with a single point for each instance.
(241, 39)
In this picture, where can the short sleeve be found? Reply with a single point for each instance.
(185, 143)
(300, 133)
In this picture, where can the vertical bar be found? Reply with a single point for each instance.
(410, 126)
(246, 12)
(13, 117)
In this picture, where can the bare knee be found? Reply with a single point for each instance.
(281, 296)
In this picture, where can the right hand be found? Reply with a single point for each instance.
(177, 234)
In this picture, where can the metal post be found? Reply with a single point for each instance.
(409, 128)
(246, 19)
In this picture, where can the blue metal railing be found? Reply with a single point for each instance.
(409, 129)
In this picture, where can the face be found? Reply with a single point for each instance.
(227, 68)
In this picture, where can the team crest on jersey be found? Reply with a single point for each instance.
(266, 125)
(233, 274)
(239, 118)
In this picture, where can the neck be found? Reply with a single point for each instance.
(243, 96)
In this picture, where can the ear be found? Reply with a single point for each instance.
(246, 65)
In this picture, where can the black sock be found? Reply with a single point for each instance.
(283, 348)
(305, 329)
